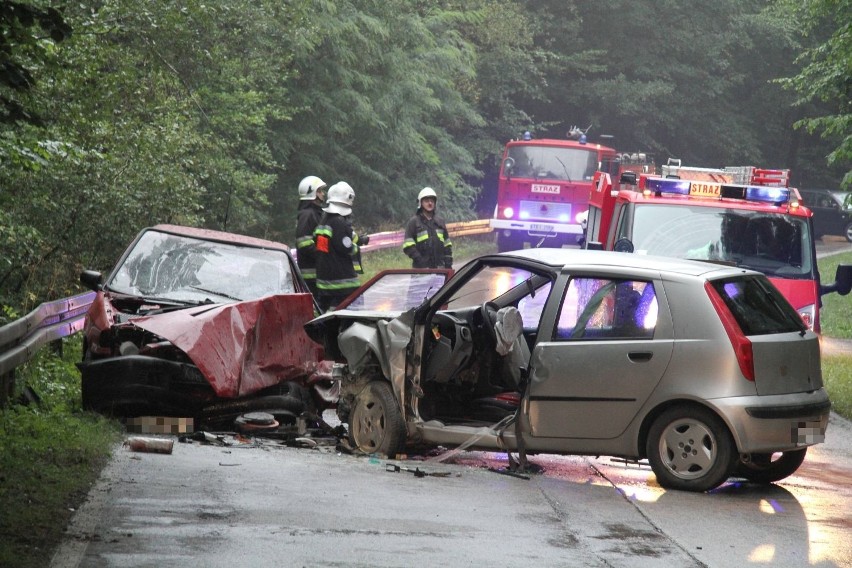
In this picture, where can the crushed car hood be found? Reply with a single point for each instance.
(244, 347)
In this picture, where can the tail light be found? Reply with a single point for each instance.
(740, 343)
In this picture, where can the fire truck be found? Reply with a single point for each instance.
(742, 216)
(543, 190)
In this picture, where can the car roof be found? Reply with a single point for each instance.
(219, 236)
(572, 258)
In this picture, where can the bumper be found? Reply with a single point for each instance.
(537, 229)
(776, 423)
(140, 385)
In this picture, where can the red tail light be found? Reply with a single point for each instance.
(740, 343)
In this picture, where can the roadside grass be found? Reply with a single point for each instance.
(51, 452)
(50, 455)
(836, 321)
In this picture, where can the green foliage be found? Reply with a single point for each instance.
(836, 311)
(826, 74)
(837, 377)
(50, 454)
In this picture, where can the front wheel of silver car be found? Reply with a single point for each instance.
(375, 423)
(690, 449)
(768, 468)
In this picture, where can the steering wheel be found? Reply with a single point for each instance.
(488, 313)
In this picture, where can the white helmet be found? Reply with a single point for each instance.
(308, 188)
(426, 192)
(340, 198)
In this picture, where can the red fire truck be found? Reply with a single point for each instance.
(543, 190)
(743, 216)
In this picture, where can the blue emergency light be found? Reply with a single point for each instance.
(675, 186)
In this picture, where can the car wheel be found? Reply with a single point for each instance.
(375, 423)
(848, 232)
(767, 468)
(690, 448)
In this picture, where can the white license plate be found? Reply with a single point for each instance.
(540, 228)
(544, 188)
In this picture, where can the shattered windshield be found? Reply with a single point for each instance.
(397, 292)
(184, 269)
(772, 243)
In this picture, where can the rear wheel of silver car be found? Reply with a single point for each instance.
(691, 449)
(767, 468)
(375, 423)
(848, 232)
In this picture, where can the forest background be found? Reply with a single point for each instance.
(120, 114)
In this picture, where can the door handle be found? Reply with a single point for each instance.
(640, 356)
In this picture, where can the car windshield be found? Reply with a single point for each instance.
(489, 283)
(185, 269)
(397, 292)
(548, 162)
(772, 243)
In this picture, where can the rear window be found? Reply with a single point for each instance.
(758, 306)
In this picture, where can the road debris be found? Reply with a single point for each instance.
(152, 445)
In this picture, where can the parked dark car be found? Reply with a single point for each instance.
(832, 211)
(202, 324)
(705, 370)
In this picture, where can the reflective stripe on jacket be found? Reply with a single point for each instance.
(427, 242)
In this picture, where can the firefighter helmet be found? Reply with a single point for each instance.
(340, 198)
(309, 186)
(426, 192)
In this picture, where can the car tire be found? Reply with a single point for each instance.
(690, 449)
(763, 469)
(847, 232)
(375, 422)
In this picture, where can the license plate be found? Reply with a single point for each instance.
(543, 188)
(540, 228)
(705, 189)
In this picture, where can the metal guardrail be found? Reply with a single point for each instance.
(21, 339)
(390, 239)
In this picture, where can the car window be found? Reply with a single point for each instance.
(180, 268)
(397, 292)
(603, 308)
(531, 306)
(487, 284)
(758, 306)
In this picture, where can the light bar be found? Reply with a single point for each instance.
(676, 186)
(763, 194)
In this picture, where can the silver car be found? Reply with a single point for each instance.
(704, 370)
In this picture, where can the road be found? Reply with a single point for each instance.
(271, 505)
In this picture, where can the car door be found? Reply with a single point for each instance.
(607, 347)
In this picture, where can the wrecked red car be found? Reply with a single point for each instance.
(202, 324)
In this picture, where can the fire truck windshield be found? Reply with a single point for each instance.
(772, 243)
(552, 163)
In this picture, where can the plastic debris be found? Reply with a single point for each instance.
(152, 445)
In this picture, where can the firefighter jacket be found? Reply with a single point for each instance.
(307, 219)
(336, 247)
(427, 242)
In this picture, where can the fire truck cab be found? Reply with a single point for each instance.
(741, 216)
(543, 190)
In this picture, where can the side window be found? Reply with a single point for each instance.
(531, 307)
(602, 308)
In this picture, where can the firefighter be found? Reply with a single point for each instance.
(337, 246)
(311, 197)
(427, 241)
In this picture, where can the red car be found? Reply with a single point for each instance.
(202, 324)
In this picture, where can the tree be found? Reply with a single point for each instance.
(826, 77)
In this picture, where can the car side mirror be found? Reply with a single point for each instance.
(623, 245)
(92, 279)
(842, 281)
(508, 166)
